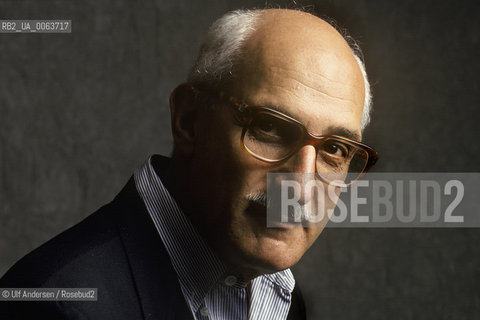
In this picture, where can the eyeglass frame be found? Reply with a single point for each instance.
(308, 138)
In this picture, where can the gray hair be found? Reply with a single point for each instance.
(223, 47)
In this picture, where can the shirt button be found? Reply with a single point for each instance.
(205, 312)
(230, 280)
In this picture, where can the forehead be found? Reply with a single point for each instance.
(305, 69)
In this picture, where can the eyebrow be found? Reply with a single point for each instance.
(344, 132)
(332, 130)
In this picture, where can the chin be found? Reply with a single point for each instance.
(269, 255)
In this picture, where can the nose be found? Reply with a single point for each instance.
(303, 161)
(302, 167)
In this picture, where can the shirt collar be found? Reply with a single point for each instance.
(284, 279)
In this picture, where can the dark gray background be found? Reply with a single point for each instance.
(80, 111)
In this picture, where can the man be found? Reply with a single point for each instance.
(272, 91)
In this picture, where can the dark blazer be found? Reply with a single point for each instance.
(117, 250)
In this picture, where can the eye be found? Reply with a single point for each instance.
(271, 129)
(266, 124)
(336, 148)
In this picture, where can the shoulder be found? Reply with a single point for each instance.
(91, 254)
(80, 248)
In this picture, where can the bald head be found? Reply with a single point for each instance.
(242, 40)
(300, 40)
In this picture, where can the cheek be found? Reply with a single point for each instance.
(224, 171)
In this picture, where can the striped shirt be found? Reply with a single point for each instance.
(211, 292)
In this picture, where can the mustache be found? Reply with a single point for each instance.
(261, 198)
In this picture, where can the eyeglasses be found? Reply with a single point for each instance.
(272, 137)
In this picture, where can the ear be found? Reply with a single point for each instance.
(183, 114)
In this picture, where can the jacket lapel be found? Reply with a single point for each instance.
(157, 287)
